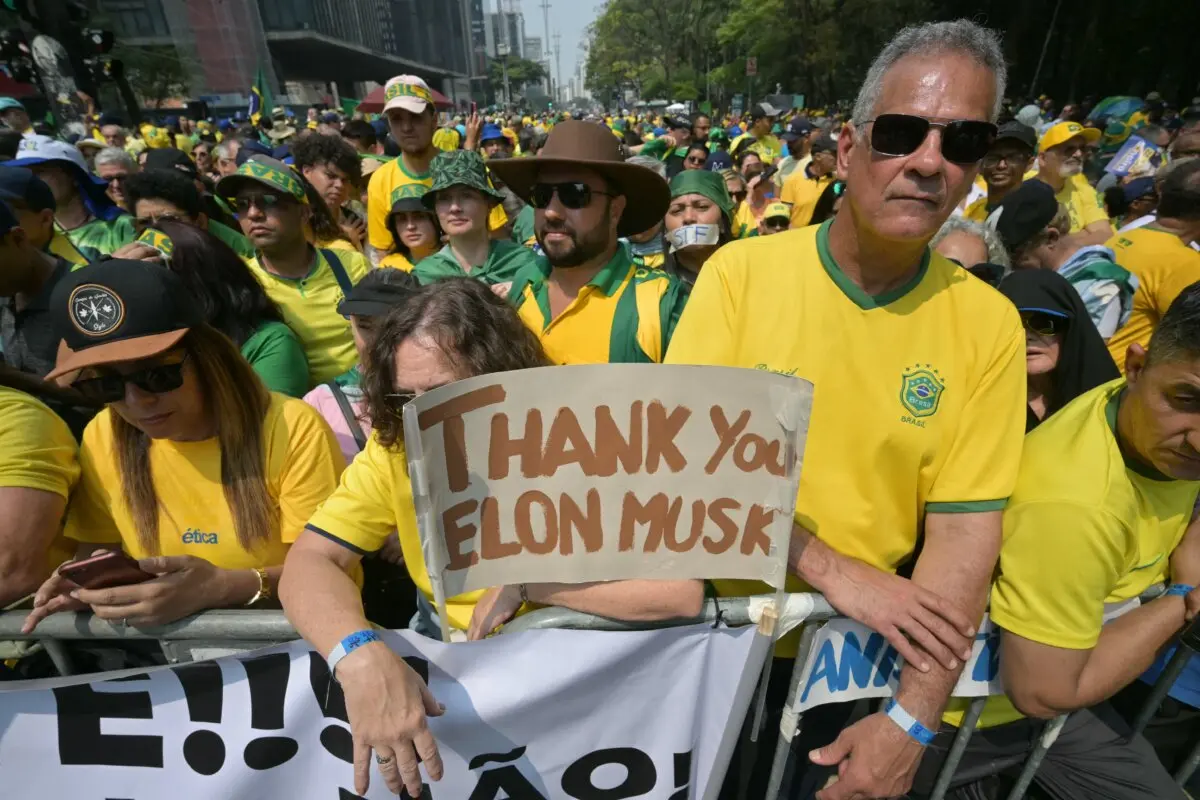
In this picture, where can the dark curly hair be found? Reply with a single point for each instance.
(477, 332)
(231, 298)
(316, 149)
(163, 184)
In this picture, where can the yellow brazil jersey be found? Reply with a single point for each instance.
(1164, 266)
(906, 420)
(342, 244)
(309, 307)
(1082, 203)
(373, 499)
(802, 192)
(745, 223)
(392, 182)
(1115, 521)
(769, 148)
(625, 314)
(977, 211)
(396, 261)
(37, 451)
(302, 466)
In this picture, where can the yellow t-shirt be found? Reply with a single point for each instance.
(906, 420)
(340, 244)
(303, 462)
(769, 148)
(803, 193)
(745, 223)
(309, 307)
(1078, 501)
(373, 499)
(396, 261)
(393, 181)
(1082, 203)
(37, 451)
(1164, 267)
(625, 314)
(977, 211)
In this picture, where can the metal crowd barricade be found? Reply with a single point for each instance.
(204, 635)
(223, 632)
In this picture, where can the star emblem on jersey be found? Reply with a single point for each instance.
(96, 310)
(921, 390)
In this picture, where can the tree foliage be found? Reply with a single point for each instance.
(697, 49)
(521, 71)
(156, 74)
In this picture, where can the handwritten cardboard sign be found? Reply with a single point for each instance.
(607, 472)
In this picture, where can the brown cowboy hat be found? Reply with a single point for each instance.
(585, 144)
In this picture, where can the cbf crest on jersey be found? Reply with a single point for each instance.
(921, 390)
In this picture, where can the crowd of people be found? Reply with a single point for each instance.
(209, 332)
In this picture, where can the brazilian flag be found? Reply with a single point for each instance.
(260, 97)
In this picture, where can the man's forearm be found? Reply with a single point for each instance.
(957, 561)
(810, 559)
(632, 600)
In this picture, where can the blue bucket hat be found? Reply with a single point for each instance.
(490, 132)
(36, 149)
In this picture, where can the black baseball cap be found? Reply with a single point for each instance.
(1024, 213)
(119, 310)
(798, 128)
(764, 110)
(8, 220)
(1020, 132)
(170, 158)
(678, 122)
(379, 292)
(19, 183)
(824, 143)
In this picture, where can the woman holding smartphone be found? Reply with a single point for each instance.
(193, 468)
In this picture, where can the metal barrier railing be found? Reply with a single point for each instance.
(231, 631)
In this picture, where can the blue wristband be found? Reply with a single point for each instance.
(1180, 589)
(348, 645)
(908, 723)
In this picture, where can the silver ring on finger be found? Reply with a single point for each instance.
(383, 759)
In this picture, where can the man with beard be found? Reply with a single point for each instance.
(412, 118)
(587, 301)
(1004, 167)
(1061, 155)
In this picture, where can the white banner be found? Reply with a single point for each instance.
(543, 714)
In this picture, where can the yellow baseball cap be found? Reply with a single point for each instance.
(1064, 132)
(778, 209)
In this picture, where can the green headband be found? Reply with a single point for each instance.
(284, 181)
(708, 184)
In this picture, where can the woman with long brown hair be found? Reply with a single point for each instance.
(193, 468)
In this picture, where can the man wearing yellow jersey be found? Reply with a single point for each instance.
(919, 375)
(587, 301)
(1114, 476)
(306, 283)
(804, 187)
(1160, 256)
(412, 118)
(759, 137)
(1004, 167)
(1061, 153)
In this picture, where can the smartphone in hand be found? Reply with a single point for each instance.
(105, 570)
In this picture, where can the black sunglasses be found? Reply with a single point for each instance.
(738, 196)
(264, 201)
(110, 388)
(964, 141)
(575, 194)
(1042, 323)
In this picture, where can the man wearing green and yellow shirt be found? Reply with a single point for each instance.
(463, 199)
(759, 137)
(412, 117)
(1062, 152)
(804, 188)
(94, 224)
(306, 283)
(587, 301)
(672, 148)
(1115, 477)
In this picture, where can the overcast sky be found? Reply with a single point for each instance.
(568, 17)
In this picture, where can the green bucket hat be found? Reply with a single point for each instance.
(459, 168)
(703, 182)
(263, 171)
